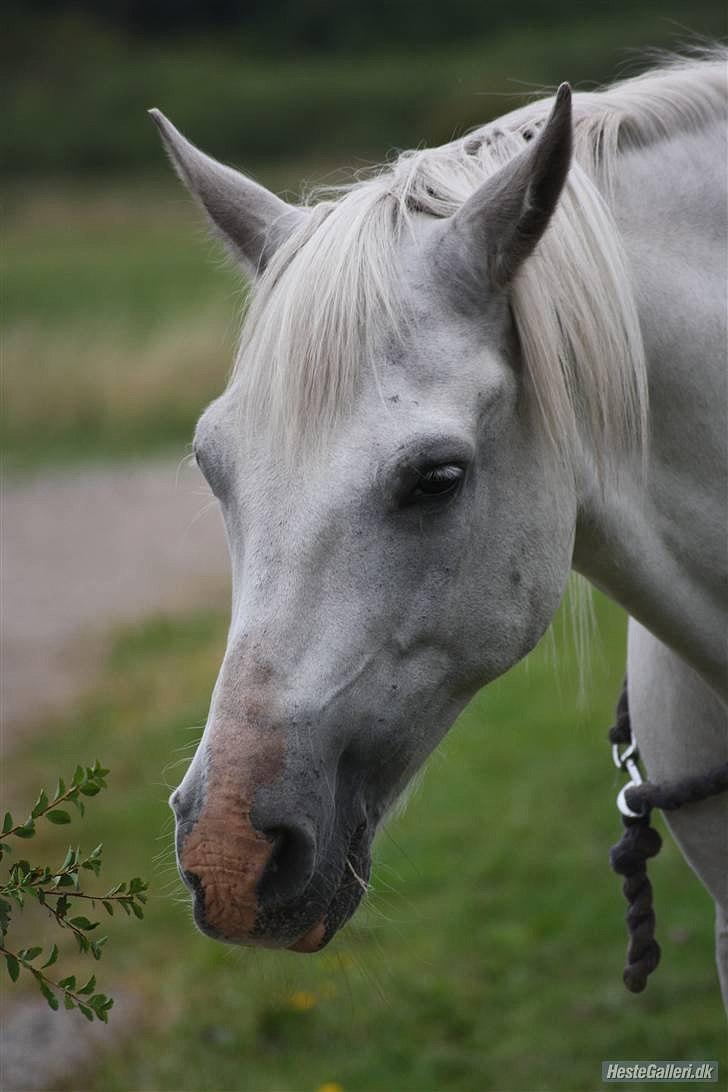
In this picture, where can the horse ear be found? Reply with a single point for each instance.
(499, 226)
(251, 220)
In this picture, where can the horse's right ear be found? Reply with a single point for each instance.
(490, 236)
(250, 220)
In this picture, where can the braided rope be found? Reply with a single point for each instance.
(629, 858)
(640, 841)
(671, 795)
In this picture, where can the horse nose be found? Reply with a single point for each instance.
(185, 803)
(290, 865)
(238, 868)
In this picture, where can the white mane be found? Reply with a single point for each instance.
(334, 279)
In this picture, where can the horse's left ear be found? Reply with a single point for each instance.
(497, 228)
(251, 221)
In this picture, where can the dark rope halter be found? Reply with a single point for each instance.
(640, 841)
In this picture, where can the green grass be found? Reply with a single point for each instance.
(489, 954)
(120, 317)
(119, 321)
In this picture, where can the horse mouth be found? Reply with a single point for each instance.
(351, 886)
(310, 922)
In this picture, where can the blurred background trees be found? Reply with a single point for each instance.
(264, 82)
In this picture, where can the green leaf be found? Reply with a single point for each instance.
(90, 788)
(100, 1003)
(5, 913)
(87, 1012)
(51, 958)
(89, 986)
(60, 788)
(47, 993)
(68, 983)
(13, 967)
(138, 912)
(69, 859)
(68, 1001)
(26, 831)
(29, 954)
(79, 775)
(58, 816)
(40, 804)
(96, 947)
(7, 822)
(108, 907)
(82, 923)
(82, 941)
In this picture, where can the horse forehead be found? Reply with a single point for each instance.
(409, 397)
(433, 375)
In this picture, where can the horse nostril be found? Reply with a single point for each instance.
(194, 883)
(289, 866)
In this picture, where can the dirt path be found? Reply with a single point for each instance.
(85, 551)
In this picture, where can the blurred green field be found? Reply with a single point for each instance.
(77, 89)
(489, 952)
(120, 322)
(120, 317)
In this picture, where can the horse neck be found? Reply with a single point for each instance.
(655, 540)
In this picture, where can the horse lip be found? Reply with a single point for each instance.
(312, 940)
(352, 885)
(344, 902)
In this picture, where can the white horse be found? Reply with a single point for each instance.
(484, 365)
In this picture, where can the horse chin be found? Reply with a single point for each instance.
(342, 907)
(313, 940)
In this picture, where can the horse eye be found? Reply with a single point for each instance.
(438, 482)
(208, 472)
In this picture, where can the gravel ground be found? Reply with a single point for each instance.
(87, 550)
(41, 1049)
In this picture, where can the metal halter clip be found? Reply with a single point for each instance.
(627, 760)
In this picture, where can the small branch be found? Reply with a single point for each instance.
(50, 806)
(48, 981)
(64, 891)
